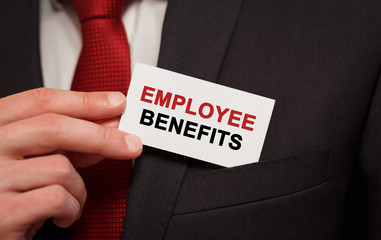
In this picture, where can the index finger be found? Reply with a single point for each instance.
(84, 105)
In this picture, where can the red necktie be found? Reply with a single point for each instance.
(104, 65)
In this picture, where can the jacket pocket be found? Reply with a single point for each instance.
(254, 182)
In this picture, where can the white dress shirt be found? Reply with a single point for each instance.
(61, 41)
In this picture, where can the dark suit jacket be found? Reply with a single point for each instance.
(319, 176)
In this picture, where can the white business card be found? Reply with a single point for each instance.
(196, 118)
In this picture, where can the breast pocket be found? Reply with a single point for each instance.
(254, 182)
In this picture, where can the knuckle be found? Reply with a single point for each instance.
(65, 171)
(106, 135)
(42, 96)
(59, 197)
(87, 101)
(63, 204)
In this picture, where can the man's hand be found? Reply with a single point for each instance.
(44, 135)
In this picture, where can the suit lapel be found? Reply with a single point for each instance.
(195, 37)
(19, 47)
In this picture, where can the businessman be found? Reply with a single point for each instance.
(319, 175)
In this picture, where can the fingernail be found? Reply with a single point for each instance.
(134, 143)
(116, 98)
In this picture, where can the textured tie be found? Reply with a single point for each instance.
(104, 65)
